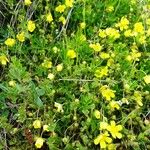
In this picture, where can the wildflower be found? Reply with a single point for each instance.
(104, 55)
(97, 114)
(110, 62)
(47, 64)
(62, 19)
(101, 72)
(123, 24)
(31, 26)
(138, 27)
(21, 37)
(60, 8)
(115, 130)
(114, 104)
(107, 93)
(128, 33)
(71, 54)
(138, 98)
(37, 124)
(103, 125)
(110, 9)
(12, 83)
(82, 25)
(142, 39)
(3, 60)
(97, 47)
(147, 79)
(112, 33)
(27, 2)
(39, 142)
(102, 33)
(69, 3)
(49, 17)
(59, 67)
(45, 128)
(103, 139)
(50, 76)
(10, 42)
(59, 107)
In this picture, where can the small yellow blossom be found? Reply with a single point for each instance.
(107, 93)
(103, 139)
(147, 79)
(59, 107)
(12, 83)
(69, 3)
(60, 8)
(102, 33)
(45, 128)
(10, 42)
(31, 26)
(104, 55)
(114, 105)
(71, 54)
(101, 72)
(112, 33)
(138, 98)
(96, 47)
(47, 64)
(110, 62)
(97, 114)
(21, 37)
(110, 9)
(138, 27)
(3, 60)
(49, 17)
(128, 33)
(59, 67)
(39, 142)
(115, 130)
(27, 2)
(51, 76)
(62, 19)
(37, 124)
(123, 24)
(82, 25)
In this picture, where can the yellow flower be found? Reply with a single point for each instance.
(138, 27)
(101, 72)
(62, 19)
(138, 98)
(114, 104)
(45, 128)
(60, 8)
(112, 33)
(3, 60)
(104, 55)
(128, 33)
(69, 3)
(96, 47)
(59, 107)
(21, 37)
(110, 9)
(12, 83)
(59, 67)
(71, 54)
(82, 25)
(39, 142)
(103, 125)
(49, 17)
(37, 124)
(31, 26)
(114, 130)
(123, 24)
(102, 33)
(103, 139)
(47, 64)
(107, 93)
(51, 76)
(97, 114)
(27, 2)
(147, 79)
(10, 42)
